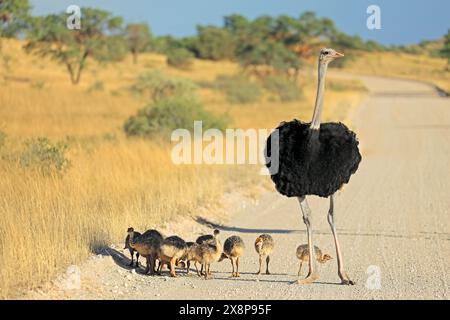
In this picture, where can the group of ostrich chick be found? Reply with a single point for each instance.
(303, 159)
(175, 252)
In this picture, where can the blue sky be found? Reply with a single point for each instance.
(402, 21)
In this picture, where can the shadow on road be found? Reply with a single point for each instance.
(121, 260)
(222, 227)
(341, 232)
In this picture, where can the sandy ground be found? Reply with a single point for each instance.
(393, 221)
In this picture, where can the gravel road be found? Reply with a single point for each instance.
(393, 220)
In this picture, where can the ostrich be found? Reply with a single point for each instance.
(314, 159)
(233, 248)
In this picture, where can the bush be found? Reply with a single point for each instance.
(285, 89)
(180, 58)
(238, 88)
(45, 156)
(169, 114)
(158, 86)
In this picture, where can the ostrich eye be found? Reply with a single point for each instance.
(325, 52)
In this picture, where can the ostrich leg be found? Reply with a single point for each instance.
(232, 264)
(312, 275)
(342, 274)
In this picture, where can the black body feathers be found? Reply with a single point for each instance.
(312, 162)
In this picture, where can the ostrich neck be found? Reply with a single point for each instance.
(315, 122)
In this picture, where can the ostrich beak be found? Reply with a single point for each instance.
(338, 55)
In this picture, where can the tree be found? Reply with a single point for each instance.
(273, 54)
(286, 30)
(445, 51)
(311, 26)
(97, 39)
(214, 43)
(14, 15)
(138, 36)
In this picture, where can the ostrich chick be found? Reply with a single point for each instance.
(264, 246)
(208, 252)
(147, 246)
(172, 249)
(233, 249)
(207, 238)
(303, 256)
(130, 249)
(191, 256)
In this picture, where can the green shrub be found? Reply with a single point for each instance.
(45, 156)
(238, 88)
(156, 86)
(166, 115)
(285, 89)
(180, 58)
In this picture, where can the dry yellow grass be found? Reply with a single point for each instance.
(51, 222)
(408, 66)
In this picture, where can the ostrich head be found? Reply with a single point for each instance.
(223, 256)
(130, 230)
(325, 258)
(327, 55)
(259, 242)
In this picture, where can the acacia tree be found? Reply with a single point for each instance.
(272, 54)
(214, 43)
(138, 37)
(98, 39)
(13, 16)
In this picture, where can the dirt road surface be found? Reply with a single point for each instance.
(393, 220)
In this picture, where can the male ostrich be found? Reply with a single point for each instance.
(314, 159)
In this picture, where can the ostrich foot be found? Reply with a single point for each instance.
(345, 280)
(258, 273)
(309, 279)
